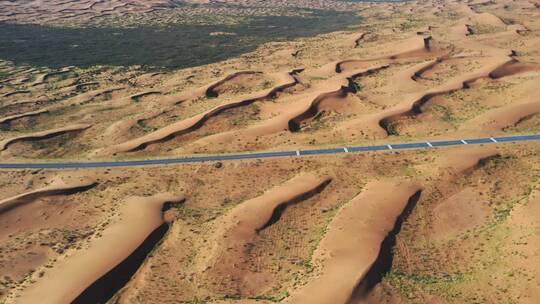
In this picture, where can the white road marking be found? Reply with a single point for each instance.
(218, 157)
(346, 150)
(429, 144)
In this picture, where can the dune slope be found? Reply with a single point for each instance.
(72, 281)
(350, 254)
(57, 186)
(236, 231)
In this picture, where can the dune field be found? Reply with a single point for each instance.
(156, 12)
(440, 225)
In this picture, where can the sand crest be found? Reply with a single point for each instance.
(58, 186)
(18, 116)
(43, 135)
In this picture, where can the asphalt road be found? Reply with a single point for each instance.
(261, 155)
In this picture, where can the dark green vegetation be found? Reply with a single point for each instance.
(160, 47)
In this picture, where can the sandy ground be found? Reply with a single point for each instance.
(416, 76)
(407, 226)
(431, 226)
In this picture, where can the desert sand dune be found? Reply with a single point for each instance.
(513, 68)
(481, 18)
(405, 80)
(87, 97)
(415, 47)
(138, 96)
(331, 92)
(40, 11)
(500, 118)
(415, 101)
(78, 87)
(463, 160)
(42, 78)
(57, 187)
(462, 28)
(112, 256)
(28, 108)
(27, 114)
(114, 95)
(356, 39)
(42, 207)
(306, 106)
(119, 129)
(210, 90)
(22, 106)
(238, 228)
(509, 34)
(43, 135)
(213, 90)
(488, 19)
(327, 69)
(350, 255)
(13, 93)
(279, 123)
(525, 90)
(316, 106)
(284, 81)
